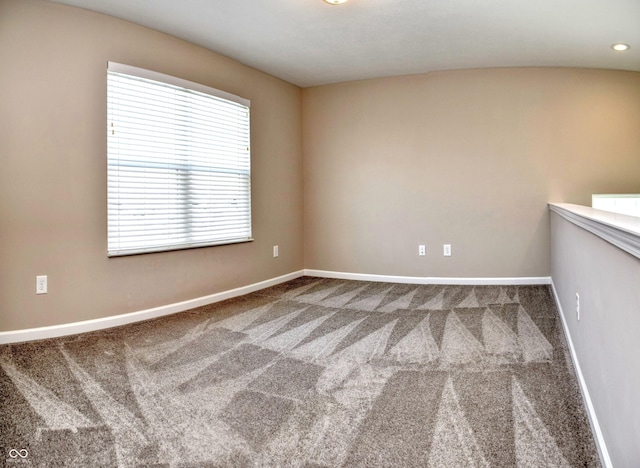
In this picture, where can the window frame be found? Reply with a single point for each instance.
(163, 79)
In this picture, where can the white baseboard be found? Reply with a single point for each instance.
(66, 329)
(429, 279)
(591, 412)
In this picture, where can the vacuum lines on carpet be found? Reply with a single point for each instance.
(312, 372)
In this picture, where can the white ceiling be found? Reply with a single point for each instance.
(308, 42)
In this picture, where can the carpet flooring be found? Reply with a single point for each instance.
(310, 373)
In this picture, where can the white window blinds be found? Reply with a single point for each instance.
(179, 166)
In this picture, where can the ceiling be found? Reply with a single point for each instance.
(309, 42)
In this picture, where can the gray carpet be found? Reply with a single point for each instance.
(310, 373)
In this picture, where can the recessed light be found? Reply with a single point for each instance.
(335, 2)
(620, 47)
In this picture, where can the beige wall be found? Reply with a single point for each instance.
(53, 170)
(469, 158)
(464, 157)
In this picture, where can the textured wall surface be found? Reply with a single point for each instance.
(469, 158)
(53, 205)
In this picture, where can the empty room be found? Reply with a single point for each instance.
(320, 233)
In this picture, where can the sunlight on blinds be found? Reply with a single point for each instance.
(179, 166)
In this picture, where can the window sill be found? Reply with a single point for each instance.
(127, 253)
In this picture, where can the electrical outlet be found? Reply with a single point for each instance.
(41, 284)
(578, 306)
(447, 250)
(422, 250)
(275, 250)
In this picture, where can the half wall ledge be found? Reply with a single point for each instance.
(623, 231)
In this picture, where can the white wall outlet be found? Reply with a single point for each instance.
(447, 250)
(422, 250)
(41, 284)
(275, 250)
(578, 306)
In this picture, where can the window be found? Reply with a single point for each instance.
(179, 165)
(624, 203)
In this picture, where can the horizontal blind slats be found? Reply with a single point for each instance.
(178, 167)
